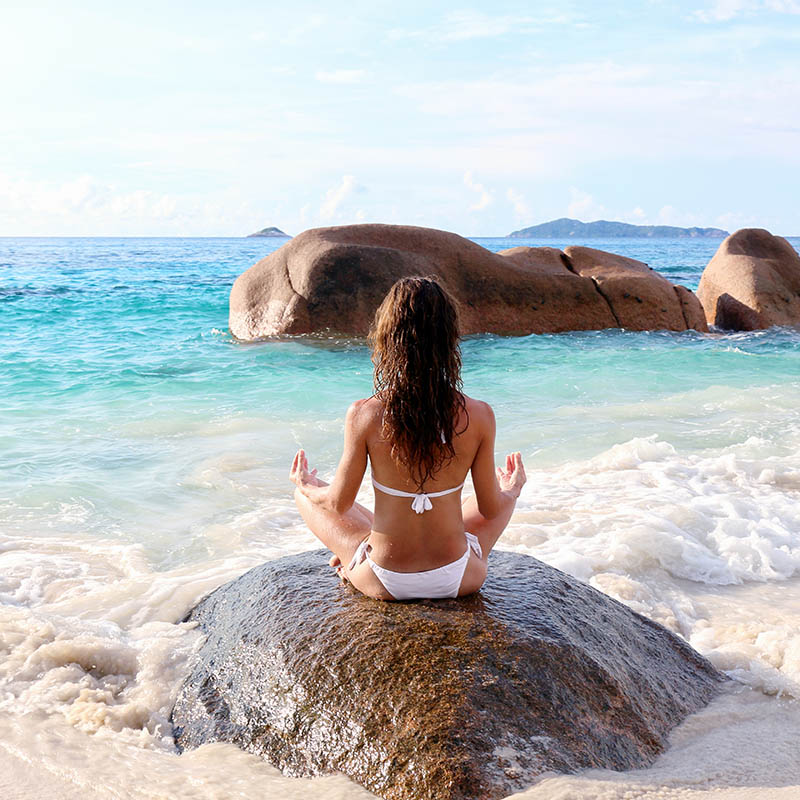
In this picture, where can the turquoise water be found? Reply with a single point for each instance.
(144, 456)
(115, 360)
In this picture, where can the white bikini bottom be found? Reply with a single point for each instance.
(431, 583)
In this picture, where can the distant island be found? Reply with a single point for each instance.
(270, 232)
(565, 228)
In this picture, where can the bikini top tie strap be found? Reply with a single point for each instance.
(421, 500)
(421, 503)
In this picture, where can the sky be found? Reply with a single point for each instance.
(218, 119)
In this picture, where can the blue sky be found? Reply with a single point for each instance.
(217, 119)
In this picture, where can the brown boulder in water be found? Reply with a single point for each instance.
(639, 297)
(333, 279)
(692, 309)
(752, 282)
(460, 699)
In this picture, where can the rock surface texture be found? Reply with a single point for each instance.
(470, 698)
(752, 282)
(333, 279)
(639, 298)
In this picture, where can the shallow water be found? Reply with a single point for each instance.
(144, 456)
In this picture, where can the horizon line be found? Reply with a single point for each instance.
(290, 236)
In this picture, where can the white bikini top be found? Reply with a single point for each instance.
(421, 501)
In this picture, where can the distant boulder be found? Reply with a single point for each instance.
(333, 279)
(752, 282)
(458, 699)
(269, 233)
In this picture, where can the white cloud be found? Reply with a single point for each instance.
(86, 206)
(521, 209)
(485, 198)
(341, 76)
(734, 220)
(566, 115)
(725, 10)
(730, 221)
(143, 204)
(722, 10)
(83, 194)
(584, 207)
(335, 197)
(669, 215)
(300, 33)
(635, 216)
(465, 25)
(462, 25)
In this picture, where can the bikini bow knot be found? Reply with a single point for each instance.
(421, 503)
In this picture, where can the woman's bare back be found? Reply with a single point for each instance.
(401, 539)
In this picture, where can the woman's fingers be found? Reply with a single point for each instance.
(514, 473)
(299, 463)
(519, 468)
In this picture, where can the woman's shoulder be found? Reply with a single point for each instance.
(478, 410)
(365, 411)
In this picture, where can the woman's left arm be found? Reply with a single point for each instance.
(341, 493)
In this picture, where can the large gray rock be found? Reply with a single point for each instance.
(467, 698)
(333, 279)
(752, 282)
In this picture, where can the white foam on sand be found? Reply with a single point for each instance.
(742, 746)
(707, 545)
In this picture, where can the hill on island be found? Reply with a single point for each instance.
(565, 228)
(269, 232)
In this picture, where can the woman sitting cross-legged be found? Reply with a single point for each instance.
(422, 436)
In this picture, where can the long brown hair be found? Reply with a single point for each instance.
(415, 350)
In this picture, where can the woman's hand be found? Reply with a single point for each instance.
(299, 473)
(512, 478)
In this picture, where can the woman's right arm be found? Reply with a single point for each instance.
(496, 489)
(340, 495)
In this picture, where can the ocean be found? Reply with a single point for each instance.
(144, 456)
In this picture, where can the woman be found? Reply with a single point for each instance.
(422, 436)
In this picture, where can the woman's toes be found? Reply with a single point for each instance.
(335, 561)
